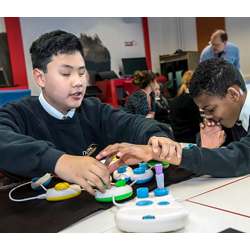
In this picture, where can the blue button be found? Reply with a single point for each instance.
(142, 181)
(139, 170)
(142, 192)
(161, 191)
(144, 203)
(122, 169)
(163, 203)
(143, 165)
(148, 217)
(127, 179)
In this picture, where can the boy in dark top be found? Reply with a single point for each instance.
(219, 90)
(52, 133)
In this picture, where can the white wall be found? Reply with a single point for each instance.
(167, 34)
(2, 25)
(238, 29)
(189, 35)
(112, 31)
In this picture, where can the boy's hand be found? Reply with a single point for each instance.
(166, 149)
(126, 153)
(212, 134)
(83, 170)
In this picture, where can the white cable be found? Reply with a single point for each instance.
(41, 196)
(118, 204)
(132, 183)
(43, 187)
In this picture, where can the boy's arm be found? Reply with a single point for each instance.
(132, 154)
(230, 161)
(21, 154)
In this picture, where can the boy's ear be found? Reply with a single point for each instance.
(234, 93)
(39, 77)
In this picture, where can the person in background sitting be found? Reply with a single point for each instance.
(184, 114)
(143, 100)
(162, 107)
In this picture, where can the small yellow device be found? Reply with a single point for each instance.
(63, 191)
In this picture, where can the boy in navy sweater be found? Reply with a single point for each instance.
(53, 132)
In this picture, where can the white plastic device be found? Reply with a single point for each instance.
(151, 213)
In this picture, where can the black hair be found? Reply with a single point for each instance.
(51, 44)
(143, 78)
(214, 77)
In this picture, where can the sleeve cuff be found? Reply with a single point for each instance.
(49, 159)
(190, 160)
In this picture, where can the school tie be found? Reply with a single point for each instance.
(65, 117)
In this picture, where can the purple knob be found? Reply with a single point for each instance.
(158, 168)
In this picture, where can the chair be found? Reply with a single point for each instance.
(7, 96)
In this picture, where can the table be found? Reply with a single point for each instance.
(214, 205)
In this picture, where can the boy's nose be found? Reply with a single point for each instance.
(77, 83)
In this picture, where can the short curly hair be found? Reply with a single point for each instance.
(213, 77)
(143, 78)
(53, 43)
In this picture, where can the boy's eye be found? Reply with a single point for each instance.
(210, 110)
(82, 72)
(65, 74)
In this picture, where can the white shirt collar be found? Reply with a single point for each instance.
(54, 112)
(245, 111)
